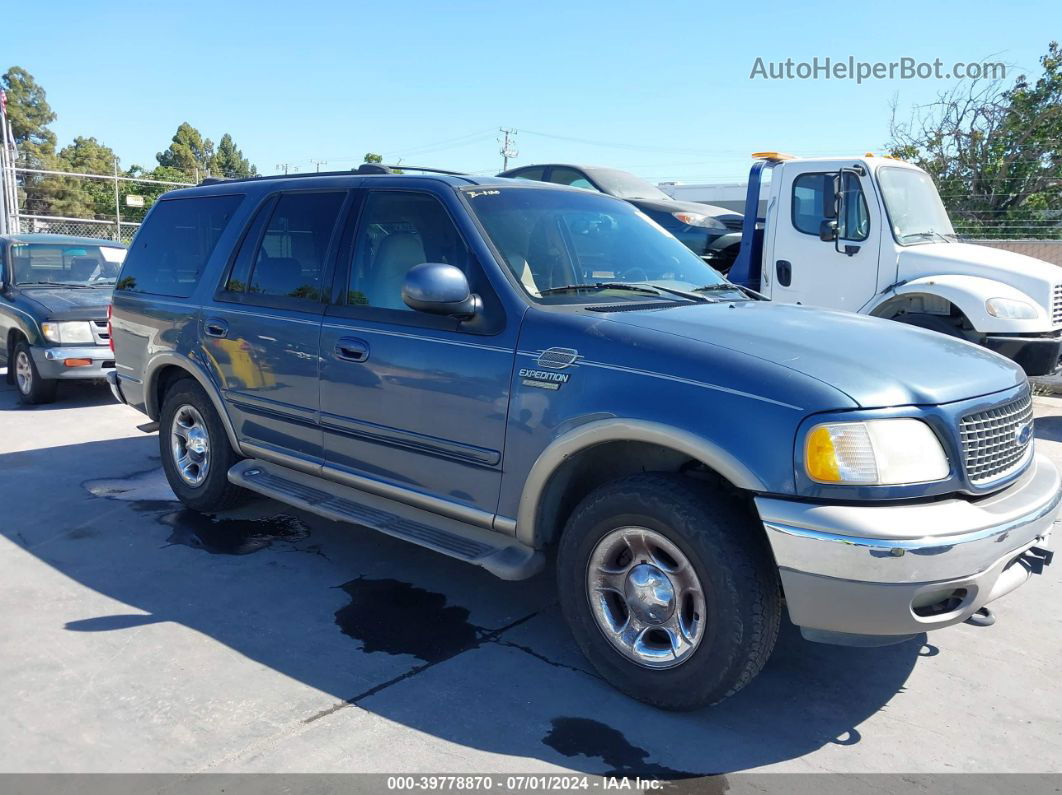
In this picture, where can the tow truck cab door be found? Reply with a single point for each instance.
(802, 265)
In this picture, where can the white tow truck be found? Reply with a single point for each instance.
(871, 235)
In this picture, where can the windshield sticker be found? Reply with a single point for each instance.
(112, 254)
(472, 194)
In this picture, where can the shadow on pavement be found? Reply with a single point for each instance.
(476, 661)
(1049, 428)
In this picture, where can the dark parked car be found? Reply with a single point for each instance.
(54, 294)
(713, 233)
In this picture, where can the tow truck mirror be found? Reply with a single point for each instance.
(828, 231)
(439, 289)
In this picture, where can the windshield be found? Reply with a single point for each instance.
(626, 186)
(915, 211)
(76, 265)
(553, 239)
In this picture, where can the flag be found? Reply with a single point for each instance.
(3, 102)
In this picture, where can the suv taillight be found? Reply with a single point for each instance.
(110, 331)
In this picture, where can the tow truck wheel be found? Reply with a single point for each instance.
(930, 323)
(669, 590)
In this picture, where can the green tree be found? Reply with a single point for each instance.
(228, 161)
(30, 114)
(994, 152)
(372, 157)
(81, 197)
(188, 152)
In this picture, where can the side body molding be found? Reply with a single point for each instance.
(620, 430)
(161, 360)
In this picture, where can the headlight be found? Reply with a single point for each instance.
(699, 219)
(1010, 309)
(875, 452)
(68, 332)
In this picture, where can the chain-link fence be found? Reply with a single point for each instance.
(109, 206)
(79, 227)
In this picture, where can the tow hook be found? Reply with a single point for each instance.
(983, 617)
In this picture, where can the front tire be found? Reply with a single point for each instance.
(669, 590)
(196, 454)
(32, 388)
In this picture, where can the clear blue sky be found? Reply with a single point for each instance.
(661, 89)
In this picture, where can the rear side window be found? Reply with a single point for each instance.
(169, 251)
(291, 257)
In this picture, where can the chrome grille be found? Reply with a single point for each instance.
(99, 331)
(1056, 305)
(992, 443)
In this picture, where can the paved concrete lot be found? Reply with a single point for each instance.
(133, 637)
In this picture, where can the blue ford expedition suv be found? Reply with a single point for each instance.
(512, 373)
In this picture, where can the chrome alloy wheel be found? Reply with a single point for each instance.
(23, 373)
(190, 444)
(646, 597)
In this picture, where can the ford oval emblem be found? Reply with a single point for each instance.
(1023, 433)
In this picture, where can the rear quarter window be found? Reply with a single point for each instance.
(169, 251)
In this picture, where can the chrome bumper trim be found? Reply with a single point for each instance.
(922, 542)
(98, 353)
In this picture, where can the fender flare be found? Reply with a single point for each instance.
(167, 358)
(620, 430)
(969, 294)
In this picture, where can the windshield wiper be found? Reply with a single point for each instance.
(640, 287)
(49, 284)
(929, 233)
(709, 288)
(572, 288)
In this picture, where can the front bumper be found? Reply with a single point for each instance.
(894, 571)
(52, 362)
(1035, 355)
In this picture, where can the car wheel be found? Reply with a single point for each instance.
(669, 590)
(32, 388)
(196, 453)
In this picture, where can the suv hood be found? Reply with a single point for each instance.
(74, 303)
(877, 363)
(1033, 277)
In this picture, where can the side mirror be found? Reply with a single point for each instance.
(439, 289)
(828, 231)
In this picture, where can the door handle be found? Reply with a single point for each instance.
(215, 328)
(351, 349)
(784, 269)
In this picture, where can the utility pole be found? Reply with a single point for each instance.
(508, 146)
(117, 206)
(319, 163)
(286, 167)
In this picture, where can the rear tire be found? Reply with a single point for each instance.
(643, 547)
(32, 388)
(196, 453)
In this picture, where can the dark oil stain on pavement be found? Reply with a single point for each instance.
(398, 618)
(584, 737)
(231, 536)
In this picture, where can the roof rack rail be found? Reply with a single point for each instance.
(363, 169)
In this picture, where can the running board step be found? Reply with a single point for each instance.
(500, 555)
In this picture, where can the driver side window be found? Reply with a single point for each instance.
(398, 230)
(814, 201)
